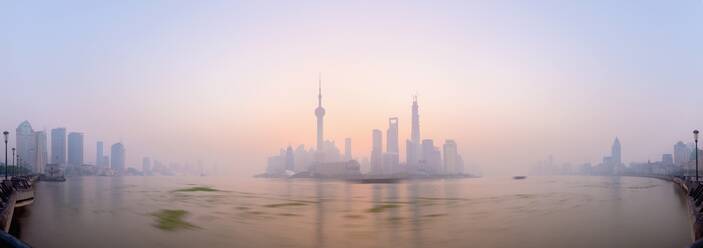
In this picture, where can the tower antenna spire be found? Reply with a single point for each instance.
(319, 90)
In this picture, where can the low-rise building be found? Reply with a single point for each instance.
(337, 169)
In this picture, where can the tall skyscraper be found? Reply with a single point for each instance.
(26, 144)
(347, 149)
(431, 157)
(41, 153)
(413, 151)
(58, 146)
(451, 157)
(377, 152)
(616, 153)
(320, 114)
(392, 135)
(99, 154)
(415, 131)
(682, 154)
(117, 155)
(75, 149)
(31, 147)
(391, 157)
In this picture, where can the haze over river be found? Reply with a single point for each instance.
(487, 212)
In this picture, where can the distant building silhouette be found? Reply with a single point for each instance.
(58, 146)
(412, 153)
(432, 158)
(451, 157)
(377, 152)
(146, 165)
(681, 154)
(616, 152)
(331, 152)
(276, 164)
(303, 158)
(117, 156)
(612, 164)
(337, 169)
(392, 135)
(667, 159)
(99, 154)
(347, 149)
(290, 159)
(75, 149)
(283, 164)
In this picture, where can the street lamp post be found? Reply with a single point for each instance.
(13, 160)
(6, 134)
(695, 139)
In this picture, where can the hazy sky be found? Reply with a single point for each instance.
(231, 82)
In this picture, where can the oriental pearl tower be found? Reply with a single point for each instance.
(320, 114)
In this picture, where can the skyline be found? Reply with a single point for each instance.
(215, 81)
(357, 155)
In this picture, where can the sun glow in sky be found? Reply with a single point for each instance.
(232, 82)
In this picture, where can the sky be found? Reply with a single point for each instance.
(231, 82)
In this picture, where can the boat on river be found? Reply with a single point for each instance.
(53, 174)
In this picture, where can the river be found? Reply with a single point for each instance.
(486, 212)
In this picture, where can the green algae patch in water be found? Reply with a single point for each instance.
(197, 189)
(172, 219)
(381, 208)
(288, 214)
(289, 204)
(435, 215)
(353, 216)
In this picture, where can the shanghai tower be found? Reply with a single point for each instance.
(415, 132)
(413, 145)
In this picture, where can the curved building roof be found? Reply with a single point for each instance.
(25, 128)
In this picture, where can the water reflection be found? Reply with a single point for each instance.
(537, 212)
(319, 231)
(416, 212)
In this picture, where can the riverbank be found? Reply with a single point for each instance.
(694, 193)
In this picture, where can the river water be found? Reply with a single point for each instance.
(486, 212)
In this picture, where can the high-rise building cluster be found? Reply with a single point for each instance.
(679, 163)
(67, 152)
(423, 158)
